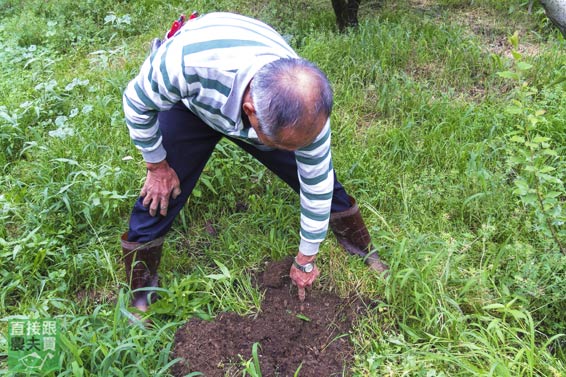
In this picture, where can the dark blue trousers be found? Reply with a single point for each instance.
(189, 142)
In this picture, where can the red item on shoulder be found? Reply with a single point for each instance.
(177, 24)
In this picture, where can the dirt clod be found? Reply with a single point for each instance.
(313, 335)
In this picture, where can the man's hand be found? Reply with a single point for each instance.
(160, 184)
(303, 279)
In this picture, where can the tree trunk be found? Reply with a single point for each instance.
(556, 11)
(346, 13)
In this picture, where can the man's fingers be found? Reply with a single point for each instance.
(146, 201)
(153, 208)
(156, 205)
(302, 293)
(160, 185)
(303, 280)
(176, 192)
(163, 206)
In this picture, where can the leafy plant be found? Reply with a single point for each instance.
(537, 166)
(252, 367)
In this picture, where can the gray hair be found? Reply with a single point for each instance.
(280, 103)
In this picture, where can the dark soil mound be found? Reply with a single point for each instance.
(313, 335)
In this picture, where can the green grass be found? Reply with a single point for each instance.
(422, 132)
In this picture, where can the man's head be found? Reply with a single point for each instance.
(288, 103)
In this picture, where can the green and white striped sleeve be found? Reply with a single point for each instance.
(316, 177)
(158, 86)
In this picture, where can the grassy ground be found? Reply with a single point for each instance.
(449, 133)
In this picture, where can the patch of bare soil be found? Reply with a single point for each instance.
(495, 33)
(485, 23)
(313, 335)
(92, 295)
(422, 4)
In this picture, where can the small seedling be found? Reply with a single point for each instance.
(303, 317)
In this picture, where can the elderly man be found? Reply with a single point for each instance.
(225, 75)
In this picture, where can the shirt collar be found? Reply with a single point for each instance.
(233, 106)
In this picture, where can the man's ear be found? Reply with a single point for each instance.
(249, 109)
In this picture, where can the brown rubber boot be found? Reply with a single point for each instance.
(142, 261)
(351, 232)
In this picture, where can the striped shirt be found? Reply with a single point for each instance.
(207, 65)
